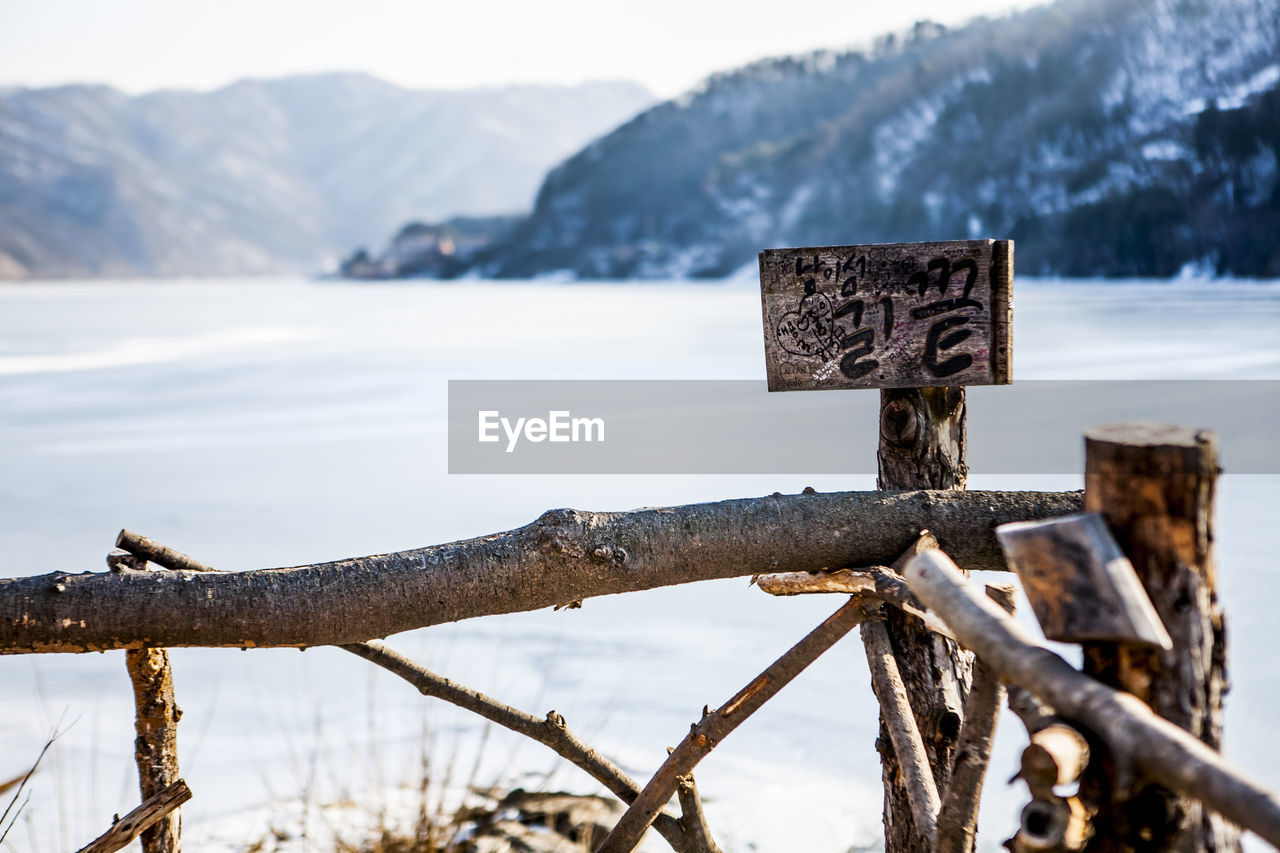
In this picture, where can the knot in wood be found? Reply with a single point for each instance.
(606, 552)
(556, 719)
(562, 545)
(557, 517)
(948, 726)
(899, 423)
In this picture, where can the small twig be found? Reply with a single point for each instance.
(149, 549)
(879, 582)
(550, 731)
(958, 817)
(21, 782)
(886, 681)
(714, 727)
(129, 827)
(694, 818)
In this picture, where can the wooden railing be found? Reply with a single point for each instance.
(1135, 733)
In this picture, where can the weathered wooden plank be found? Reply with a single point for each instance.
(1081, 585)
(896, 315)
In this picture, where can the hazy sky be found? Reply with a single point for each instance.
(669, 45)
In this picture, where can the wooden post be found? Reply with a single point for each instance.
(920, 321)
(156, 715)
(1155, 485)
(922, 446)
(156, 747)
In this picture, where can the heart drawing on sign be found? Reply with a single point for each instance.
(809, 330)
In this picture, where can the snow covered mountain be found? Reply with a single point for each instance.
(269, 175)
(1107, 137)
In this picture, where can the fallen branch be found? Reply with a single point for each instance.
(957, 825)
(716, 725)
(693, 817)
(564, 556)
(129, 827)
(551, 732)
(1161, 750)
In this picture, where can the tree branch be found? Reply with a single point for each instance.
(551, 732)
(129, 827)
(694, 819)
(716, 725)
(886, 682)
(566, 555)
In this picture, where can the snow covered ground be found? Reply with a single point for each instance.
(266, 423)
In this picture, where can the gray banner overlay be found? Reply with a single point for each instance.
(738, 427)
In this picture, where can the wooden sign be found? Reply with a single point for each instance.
(895, 315)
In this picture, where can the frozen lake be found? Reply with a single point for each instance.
(280, 422)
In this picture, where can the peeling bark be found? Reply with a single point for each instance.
(566, 555)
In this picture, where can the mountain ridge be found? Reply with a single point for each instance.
(1084, 130)
(269, 175)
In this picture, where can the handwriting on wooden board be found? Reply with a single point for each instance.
(898, 315)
